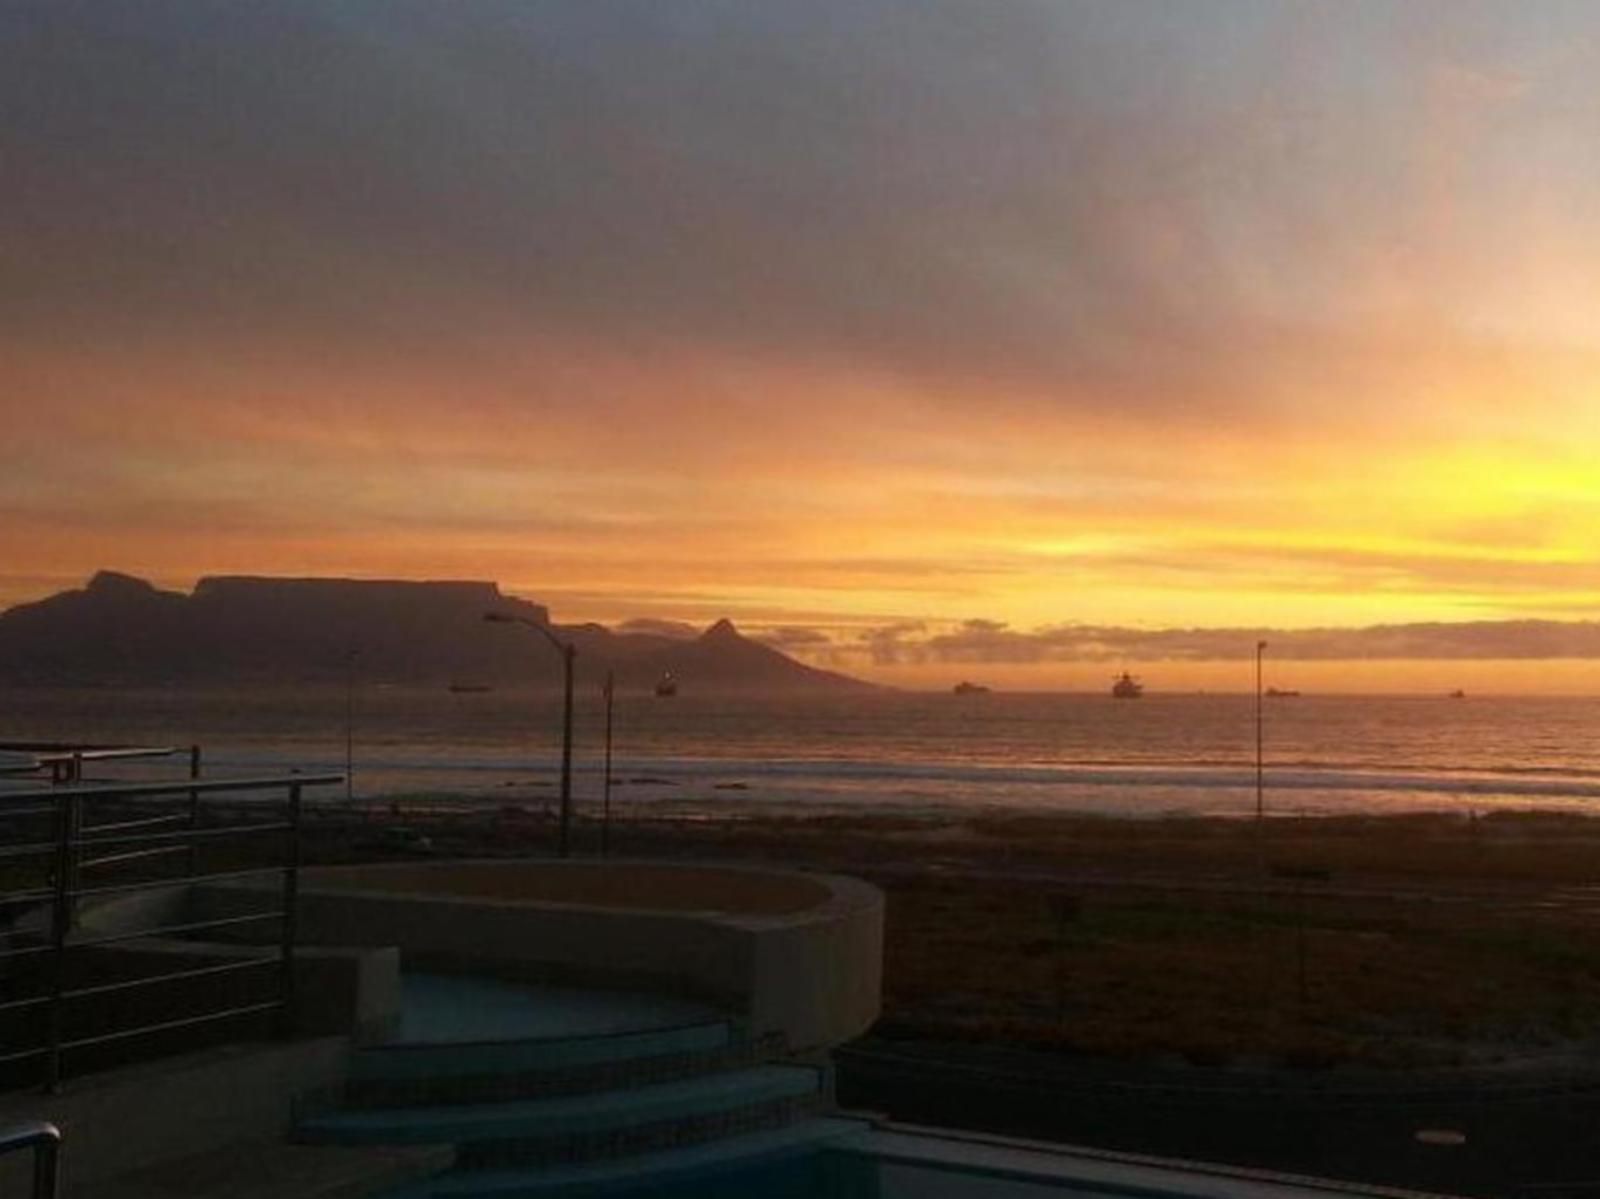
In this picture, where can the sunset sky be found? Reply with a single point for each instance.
(854, 320)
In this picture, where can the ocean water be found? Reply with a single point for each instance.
(1160, 755)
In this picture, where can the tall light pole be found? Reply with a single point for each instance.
(605, 806)
(568, 652)
(349, 725)
(1260, 797)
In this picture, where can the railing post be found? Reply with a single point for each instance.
(291, 899)
(44, 1140)
(60, 923)
(47, 1164)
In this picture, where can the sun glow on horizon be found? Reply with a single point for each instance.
(1227, 316)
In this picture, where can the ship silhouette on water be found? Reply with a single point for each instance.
(1126, 687)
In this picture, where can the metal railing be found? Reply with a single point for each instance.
(45, 1141)
(66, 762)
(126, 852)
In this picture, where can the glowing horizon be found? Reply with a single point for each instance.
(840, 317)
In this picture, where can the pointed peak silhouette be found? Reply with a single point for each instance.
(114, 581)
(723, 630)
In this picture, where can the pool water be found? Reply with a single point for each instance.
(841, 1174)
(927, 1165)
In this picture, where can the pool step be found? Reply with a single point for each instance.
(465, 1010)
(573, 1126)
(693, 1169)
(449, 1074)
(637, 1140)
(404, 1059)
(533, 1087)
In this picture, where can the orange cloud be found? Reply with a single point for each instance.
(1031, 315)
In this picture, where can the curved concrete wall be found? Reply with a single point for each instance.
(813, 972)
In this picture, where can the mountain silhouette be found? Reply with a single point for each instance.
(122, 630)
(722, 658)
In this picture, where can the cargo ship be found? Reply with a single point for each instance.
(1127, 687)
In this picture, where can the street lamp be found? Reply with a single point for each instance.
(605, 806)
(568, 652)
(350, 657)
(1260, 801)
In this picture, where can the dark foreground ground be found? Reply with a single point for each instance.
(1520, 1139)
(1307, 996)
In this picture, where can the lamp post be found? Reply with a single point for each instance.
(350, 725)
(1260, 800)
(605, 806)
(568, 652)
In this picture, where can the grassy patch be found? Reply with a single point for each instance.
(1319, 980)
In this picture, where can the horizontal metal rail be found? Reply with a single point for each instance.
(12, 1005)
(23, 851)
(168, 930)
(115, 826)
(135, 833)
(155, 884)
(170, 976)
(164, 930)
(132, 855)
(184, 836)
(145, 1030)
(185, 786)
(26, 950)
(44, 1141)
(37, 895)
(10, 813)
(109, 754)
(66, 762)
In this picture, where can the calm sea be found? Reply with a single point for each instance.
(1158, 755)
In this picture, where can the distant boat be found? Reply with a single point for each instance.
(1127, 687)
(470, 688)
(966, 688)
(1458, 694)
(666, 686)
(1276, 693)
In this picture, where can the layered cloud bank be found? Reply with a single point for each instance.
(990, 642)
(1532, 657)
(839, 314)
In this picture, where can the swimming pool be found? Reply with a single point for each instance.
(895, 1162)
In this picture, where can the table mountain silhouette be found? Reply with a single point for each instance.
(122, 630)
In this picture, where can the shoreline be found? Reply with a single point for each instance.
(751, 801)
(1537, 845)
